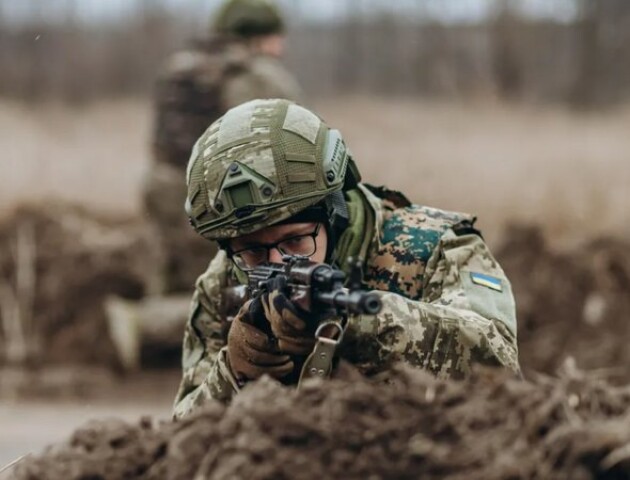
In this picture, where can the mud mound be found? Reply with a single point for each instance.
(573, 303)
(403, 425)
(57, 265)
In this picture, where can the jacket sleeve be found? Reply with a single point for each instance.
(466, 315)
(206, 374)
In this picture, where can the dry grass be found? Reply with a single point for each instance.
(567, 172)
(95, 156)
(570, 173)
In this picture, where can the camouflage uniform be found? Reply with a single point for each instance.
(446, 301)
(196, 87)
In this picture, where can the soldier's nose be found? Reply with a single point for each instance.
(275, 256)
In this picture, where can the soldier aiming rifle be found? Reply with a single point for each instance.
(280, 193)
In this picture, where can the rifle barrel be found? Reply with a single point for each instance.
(357, 302)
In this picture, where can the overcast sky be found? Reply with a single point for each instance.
(98, 11)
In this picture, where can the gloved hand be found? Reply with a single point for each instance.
(293, 327)
(252, 352)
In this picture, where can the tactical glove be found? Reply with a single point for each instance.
(293, 327)
(251, 351)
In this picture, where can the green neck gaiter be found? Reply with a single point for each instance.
(352, 243)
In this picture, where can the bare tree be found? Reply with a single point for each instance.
(17, 297)
(506, 64)
(587, 43)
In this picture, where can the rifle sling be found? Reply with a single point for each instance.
(319, 364)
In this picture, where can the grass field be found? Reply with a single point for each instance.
(568, 172)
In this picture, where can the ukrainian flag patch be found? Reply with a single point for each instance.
(486, 281)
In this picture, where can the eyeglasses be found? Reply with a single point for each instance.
(249, 258)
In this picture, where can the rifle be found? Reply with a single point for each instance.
(317, 288)
(314, 287)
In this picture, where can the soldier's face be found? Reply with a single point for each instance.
(291, 238)
(270, 45)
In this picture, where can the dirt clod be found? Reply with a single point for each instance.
(57, 266)
(572, 304)
(403, 425)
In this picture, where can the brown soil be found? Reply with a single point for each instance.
(572, 304)
(402, 425)
(73, 260)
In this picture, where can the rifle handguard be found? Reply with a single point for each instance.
(354, 302)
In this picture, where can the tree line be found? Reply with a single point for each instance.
(582, 62)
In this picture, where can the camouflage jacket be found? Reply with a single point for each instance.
(199, 84)
(446, 303)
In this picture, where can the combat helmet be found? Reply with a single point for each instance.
(267, 162)
(248, 18)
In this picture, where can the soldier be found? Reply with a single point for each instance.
(271, 178)
(240, 62)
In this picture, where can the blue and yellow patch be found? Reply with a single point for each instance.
(486, 281)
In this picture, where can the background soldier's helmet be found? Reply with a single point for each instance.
(262, 163)
(248, 18)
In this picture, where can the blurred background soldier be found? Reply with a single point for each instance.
(239, 61)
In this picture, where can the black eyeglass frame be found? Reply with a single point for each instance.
(275, 245)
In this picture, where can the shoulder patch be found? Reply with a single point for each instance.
(487, 281)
